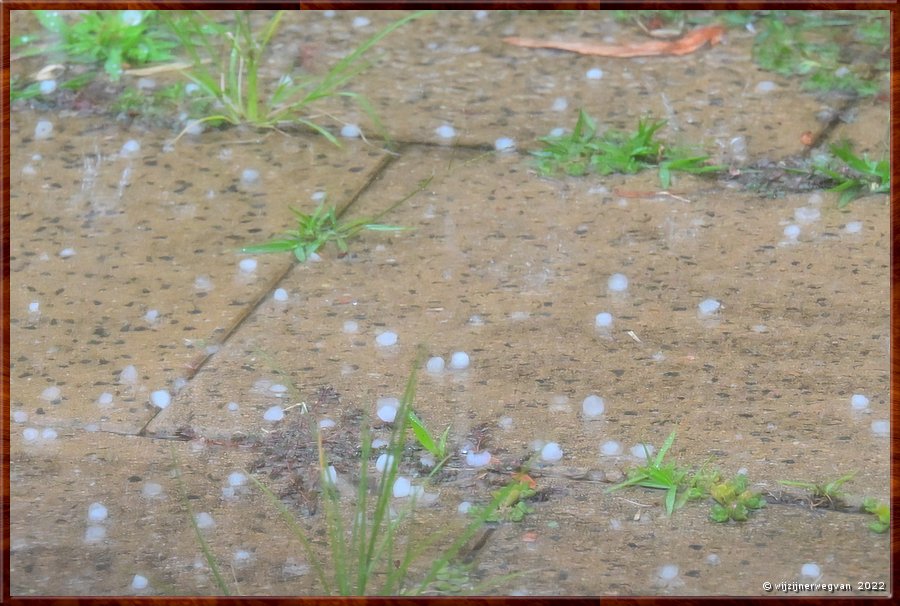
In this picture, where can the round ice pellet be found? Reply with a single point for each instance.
(505, 144)
(402, 487)
(326, 423)
(94, 534)
(610, 448)
(792, 232)
(641, 451)
(350, 131)
(232, 406)
(383, 462)
(459, 360)
(242, 556)
(19, 416)
(151, 490)
(247, 265)
(97, 512)
(853, 227)
(594, 73)
(278, 388)
(280, 294)
(379, 443)
(132, 18)
(275, 413)
(387, 413)
(505, 422)
(151, 316)
(49, 434)
(617, 283)
(811, 570)
(361, 21)
(43, 129)
(47, 86)
(34, 307)
(350, 327)
(139, 582)
(464, 507)
(204, 520)
(557, 132)
(190, 88)
(51, 394)
(806, 214)
(859, 401)
(668, 572)
(593, 406)
(478, 459)
(237, 478)
(67, 252)
(30, 434)
(128, 375)
(560, 104)
(766, 86)
(445, 131)
(249, 176)
(386, 339)
(130, 148)
(160, 398)
(551, 452)
(318, 196)
(603, 320)
(713, 559)
(882, 428)
(435, 364)
(707, 307)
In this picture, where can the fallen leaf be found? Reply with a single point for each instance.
(529, 537)
(682, 46)
(526, 479)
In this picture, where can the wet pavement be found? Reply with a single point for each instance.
(505, 265)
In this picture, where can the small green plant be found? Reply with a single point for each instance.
(113, 38)
(733, 501)
(233, 79)
(616, 152)
(882, 513)
(823, 494)
(513, 506)
(437, 447)
(855, 176)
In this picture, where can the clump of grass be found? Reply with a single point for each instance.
(882, 513)
(583, 150)
(233, 78)
(855, 176)
(513, 507)
(733, 501)
(827, 494)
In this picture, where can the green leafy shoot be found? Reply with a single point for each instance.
(828, 494)
(882, 513)
(513, 506)
(855, 176)
(733, 501)
(437, 447)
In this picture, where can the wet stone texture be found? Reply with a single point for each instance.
(501, 264)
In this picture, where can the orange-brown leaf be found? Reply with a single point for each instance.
(682, 46)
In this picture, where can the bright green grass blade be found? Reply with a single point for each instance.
(275, 246)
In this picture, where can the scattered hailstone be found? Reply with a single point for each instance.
(853, 227)
(130, 148)
(47, 86)
(505, 422)
(811, 570)
(151, 316)
(478, 459)
(242, 556)
(766, 86)
(792, 232)
(275, 413)
(505, 144)
(160, 398)
(204, 520)
(464, 507)
(476, 320)
(445, 131)
(30, 434)
(247, 266)
(203, 283)
(459, 360)
(859, 401)
(94, 534)
(326, 423)
(350, 131)
(560, 104)
(387, 409)
(34, 307)
(435, 365)
(807, 214)
(594, 73)
(708, 307)
(318, 196)
(351, 327)
(882, 429)
(19, 416)
(43, 130)
(249, 176)
(617, 283)
(593, 406)
(379, 443)
(559, 131)
(427, 460)
(132, 18)
(383, 462)
(551, 452)
(151, 490)
(67, 252)
(180, 383)
(280, 295)
(233, 407)
(610, 448)
(361, 21)
(139, 582)
(278, 388)
(51, 394)
(97, 512)
(713, 559)
(603, 320)
(49, 434)
(386, 339)
(194, 128)
(641, 451)
(237, 478)
(402, 487)
(190, 88)
(668, 573)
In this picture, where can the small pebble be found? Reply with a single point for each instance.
(51, 394)
(811, 570)
(445, 131)
(505, 144)
(318, 196)
(386, 339)
(379, 443)
(594, 74)
(34, 307)
(859, 402)
(617, 283)
(593, 406)
(611, 448)
(478, 459)
(350, 131)
(160, 398)
(505, 422)
(275, 413)
(132, 18)
(249, 176)
(247, 265)
(708, 307)
(459, 360)
(350, 327)
(713, 559)
(139, 582)
(151, 316)
(242, 556)
(557, 132)
(603, 320)
(190, 88)
(43, 130)
(280, 295)
(97, 512)
(853, 227)
(203, 283)
(331, 474)
(551, 452)
(435, 365)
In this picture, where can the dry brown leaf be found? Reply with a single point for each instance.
(682, 46)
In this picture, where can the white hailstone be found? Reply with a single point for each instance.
(435, 365)
(151, 316)
(383, 462)
(350, 327)
(807, 214)
(130, 148)
(559, 131)
(593, 406)
(350, 131)
(280, 295)
(610, 448)
(242, 556)
(180, 382)
(815, 199)
(233, 407)
(49, 434)
(94, 534)
(51, 394)
(275, 413)
(603, 319)
(505, 144)
(132, 18)
(881, 429)
(427, 460)
(331, 474)
(151, 490)
(859, 401)
(203, 283)
(445, 131)
(327, 424)
(386, 339)
(594, 73)
(792, 232)
(481, 15)
(402, 487)
(387, 409)
(30, 434)
(47, 86)
(713, 559)
(476, 320)
(853, 227)
(478, 459)
(560, 104)
(43, 130)
(139, 582)
(237, 478)
(617, 283)
(459, 360)
(811, 570)
(160, 398)
(551, 452)
(708, 307)
(228, 493)
(204, 520)
(278, 388)
(19, 416)
(190, 88)
(379, 443)
(97, 512)
(668, 573)
(67, 252)
(34, 307)
(766, 86)
(318, 196)
(249, 176)
(505, 422)
(641, 451)
(247, 266)
(361, 21)
(464, 507)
